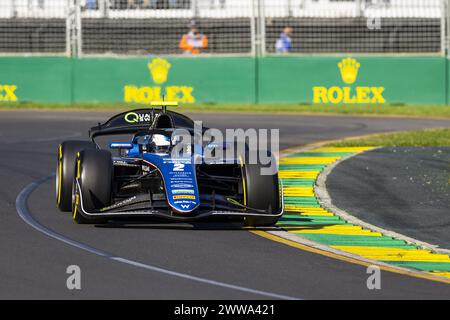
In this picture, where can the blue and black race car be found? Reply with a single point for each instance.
(144, 177)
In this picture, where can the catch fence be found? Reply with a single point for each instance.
(223, 27)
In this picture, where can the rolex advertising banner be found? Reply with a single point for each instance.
(35, 79)
(185, 80)
(348, 80)
(353, 80)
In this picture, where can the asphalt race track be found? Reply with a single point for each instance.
(408, 188)
(167, 261)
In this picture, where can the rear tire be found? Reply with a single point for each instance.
(262, 192)
(65, 171)
(94, 171)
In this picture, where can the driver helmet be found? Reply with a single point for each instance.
(160, 142)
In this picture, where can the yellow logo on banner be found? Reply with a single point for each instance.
(159, 71)
(8, 92)
(349, 70)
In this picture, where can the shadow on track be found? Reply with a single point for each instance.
(199, 226)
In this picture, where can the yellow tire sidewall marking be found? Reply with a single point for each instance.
(77, 197)
(59, 180)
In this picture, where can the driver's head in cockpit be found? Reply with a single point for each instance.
(159, 143)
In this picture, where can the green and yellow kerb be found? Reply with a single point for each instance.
(305, 217)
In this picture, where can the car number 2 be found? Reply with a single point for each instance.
(178, 167)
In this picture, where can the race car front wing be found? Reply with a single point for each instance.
(167, 215)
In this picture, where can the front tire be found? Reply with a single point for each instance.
(94, 174)
(262, 192)
(65, 171)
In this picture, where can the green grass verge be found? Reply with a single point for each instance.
(388, 110)
(420, 138)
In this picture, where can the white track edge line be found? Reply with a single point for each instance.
(26, 216)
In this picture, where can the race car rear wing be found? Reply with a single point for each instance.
(138, 120)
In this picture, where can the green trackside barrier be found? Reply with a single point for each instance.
(355, 80)
(187, 80)
(36, 79)
(286, 79)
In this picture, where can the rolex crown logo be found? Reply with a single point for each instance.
(159, 69)
(349, 70)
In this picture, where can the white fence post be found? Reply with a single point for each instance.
(253, 36)
(262, 28)
(73, 28)
(445, 27)
(443, 7)
(194, 8)
(13, 8)
(78, 29)
(103, 7)
(289, 8)
(359, 8)
(69, 26)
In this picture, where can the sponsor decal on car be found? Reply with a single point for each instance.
(119, 204)
(182, 185)
(133, 117)
(183, 191)
(349, 70)
(180, 202)
(184, 196)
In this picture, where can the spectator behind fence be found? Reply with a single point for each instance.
(134, 4)
(284, 42)
(150, 4)
(90, 4)
(193, 42)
